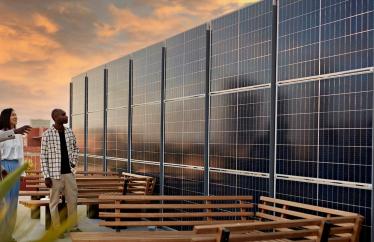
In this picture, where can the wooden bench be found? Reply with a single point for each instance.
(89, 186)
(173, 210)
(302, 230)
(212, 233)
(89, 189)
(274, 225)
(139, 184)
(306, 230)
(271, 209)
(84, 183)
(170, 211)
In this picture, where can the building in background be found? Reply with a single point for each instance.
(197, 109)
(32, 141)
(40, 123)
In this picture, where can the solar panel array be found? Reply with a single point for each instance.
(324, 106)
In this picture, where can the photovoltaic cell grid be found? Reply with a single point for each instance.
(174, 119)
(153, 67)
(174, 68)
(347, 37)
(78, 94)
(324, 131)
(117, 114)
(346, 111)
(146, 109)
(95, 116)
(223, 131)
(146, 116)
(297, 131)
(194, 74)
(95, 163)
(185, 69)
(117, 133)
(78, 129)
(118, 83)
(95, 133)
(184, 118)
(147, 74)
(96, 89)
(239, 137)
(325, 126)
(255, 28)
(298, 41)
(341, 31)
(224, 53)
(139, 76)
(184, 143)
(78, 111)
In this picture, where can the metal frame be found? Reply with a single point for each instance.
(129, 117)
(105, 165)
(71, 105)
(207, 110)
(273, 102)
(162, 122)
(85, 122)
(372, 174)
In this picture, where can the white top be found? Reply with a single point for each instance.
(12, 149)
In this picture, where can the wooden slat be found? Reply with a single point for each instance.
(269, 217)
(174, 215)
(340, 240)
(34, 193)
(132, 236)
(306, 206)
(275, 235)
(99, 185)
(99, 190)
(40, 203)
(162, 223)
(251, 226)
(177, 198)
(171, 206)
(288, 212)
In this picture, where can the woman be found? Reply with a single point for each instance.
(11, 153)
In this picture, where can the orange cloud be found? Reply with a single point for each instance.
(43, 22)
(166, 19)
(24, 44)
(38, 58)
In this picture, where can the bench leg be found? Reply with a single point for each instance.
(93, 211)
(35, 212)
(62, 208)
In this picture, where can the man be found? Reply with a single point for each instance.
(58, 156)
(11, 134)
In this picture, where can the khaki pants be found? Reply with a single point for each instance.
(68, 186)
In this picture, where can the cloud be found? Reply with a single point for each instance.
(163, 19)
(46, 24)
(45, 43)
(24, 44)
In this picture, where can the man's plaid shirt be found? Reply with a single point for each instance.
(50, 154)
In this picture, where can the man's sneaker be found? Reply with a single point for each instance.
(76, 229)
(61, 236)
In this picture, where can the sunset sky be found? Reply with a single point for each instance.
(43, 44)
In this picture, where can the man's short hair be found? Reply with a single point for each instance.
(54, 112)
